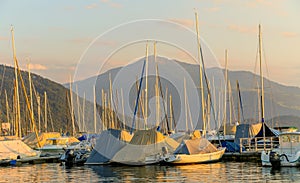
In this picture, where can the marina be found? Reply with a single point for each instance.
(112, 91)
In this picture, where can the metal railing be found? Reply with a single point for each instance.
(258, 144)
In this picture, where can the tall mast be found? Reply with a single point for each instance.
(18, 120)
(78, 110)
(72, 109)
(171, 112)
(239, 102)
(261, 78)
(230, 102)
(225, 93)
(146, 87)
(156, 89)
(83, 111)
(102, 109)
(200, 73)
(110, 104)
(95, 110)
(39, 112)
(123, 109)
(262, 87)
(185, 105)
(30, 93)
(7, 108)
(46, 115)
(25, 92)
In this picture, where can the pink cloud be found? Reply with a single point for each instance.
(115, 5)
(212, 9)
(289, 34)
(242, 29)
(3, 38)
(185, 22)
(37, 67)
(87, 40)
(112, 4)
(91, 6)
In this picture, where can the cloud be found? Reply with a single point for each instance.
(185, 22)
(111, 4)
(87, 40)
(56, 28)
(212, 9)
(115, 5)
(3, 38)
(37, 67)
(91, 6)
(289, 34)
(69, 8)
(242, 29)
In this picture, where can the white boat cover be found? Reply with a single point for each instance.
(11, 149)
(32, 141)
(107, 145)
(195, 146)
(144, 143)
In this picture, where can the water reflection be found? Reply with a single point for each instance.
(216, 172)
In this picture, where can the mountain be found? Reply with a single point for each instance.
(58, 111)
(280, 100)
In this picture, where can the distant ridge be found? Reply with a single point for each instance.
(58, 112)
(280, 100)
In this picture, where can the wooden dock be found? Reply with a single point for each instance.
(242, 157)
(33, 160)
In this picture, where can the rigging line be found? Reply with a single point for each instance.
(164, 105)
(207, 85)
(138, 96)
(4, 68)
(270, 85)
(51, 120)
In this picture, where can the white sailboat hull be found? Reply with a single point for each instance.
(194, 158)
(288, 160)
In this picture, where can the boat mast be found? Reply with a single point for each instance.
(239, 102)
(30, 93)
(225, 93)
(200, 73)
(72, 109)
(95, 110)
(18, 120)
(156, 89)
(24, 90)
(46, 115)
(7, 109)
(78, 109)
(185, 105)
(123, 109)
(83, 111)
(39, 111)
(146, 87)
(262, 86)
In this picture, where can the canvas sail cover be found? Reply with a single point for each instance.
(32, 141)
(252, 131)
(230, 129)
(144, 143)
(107, 145)
(11, 149)
(195, 146)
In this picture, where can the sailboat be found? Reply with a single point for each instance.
(195, 150)
(11, 147)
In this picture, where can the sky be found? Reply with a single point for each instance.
(55, 38)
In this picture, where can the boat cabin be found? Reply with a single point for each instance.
(289, 142)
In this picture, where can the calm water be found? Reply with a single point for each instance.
(217, 172)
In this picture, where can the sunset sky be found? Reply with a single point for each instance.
(55, 35)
